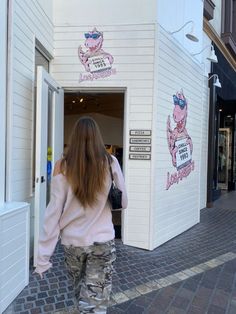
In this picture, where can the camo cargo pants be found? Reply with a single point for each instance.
(91, 270)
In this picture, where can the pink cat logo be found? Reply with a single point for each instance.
(178, 137)
(94, 59)
(179, 142)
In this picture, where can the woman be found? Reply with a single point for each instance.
(79, 212)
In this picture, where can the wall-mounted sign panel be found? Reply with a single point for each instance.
(140, 148)
(140, 140)
(140, 132)
(140, 156)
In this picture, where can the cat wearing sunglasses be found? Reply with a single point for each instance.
(93, 43)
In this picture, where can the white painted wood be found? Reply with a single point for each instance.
(122, 12)
(44, 83)
(29, 20)
(176, 15)
(132, 47)
(176, 209)
(3, 61)
(14, 251)
(58, 125)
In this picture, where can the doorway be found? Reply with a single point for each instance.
(107, 109)
(226, 145)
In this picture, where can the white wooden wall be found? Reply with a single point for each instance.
(132, 47)
(3, 76)
(28, 21)
(176, 209)
(14, 251)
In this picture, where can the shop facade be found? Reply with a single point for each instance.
(142, 85)
(219, 27)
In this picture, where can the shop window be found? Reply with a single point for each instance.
(209, 9)
(228, 33)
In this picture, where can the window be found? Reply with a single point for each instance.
(228, 33)
(209, 9)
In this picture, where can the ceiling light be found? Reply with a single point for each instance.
(73, 101)
(81, 100)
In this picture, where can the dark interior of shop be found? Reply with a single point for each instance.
(106, 104)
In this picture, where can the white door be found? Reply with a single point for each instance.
(49, 133)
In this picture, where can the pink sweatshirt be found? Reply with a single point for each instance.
(65, 217)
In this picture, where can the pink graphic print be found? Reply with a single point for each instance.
(179, 142)
(94, 59)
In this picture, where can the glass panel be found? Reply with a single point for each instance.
(40, 59)
(223, 158)
(49, 151)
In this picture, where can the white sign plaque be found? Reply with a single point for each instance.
(140, 132)
(98, 63)
(140, 148)
(140, 140)
(140, 156)
(183, 155)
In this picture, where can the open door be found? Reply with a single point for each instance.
(49, 142)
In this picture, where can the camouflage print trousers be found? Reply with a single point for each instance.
(91, 270)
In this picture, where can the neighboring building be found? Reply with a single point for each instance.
(220, 29)
(146, 87)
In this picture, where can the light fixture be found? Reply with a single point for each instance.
(220, 110)
(73, 101)
(217, 83)
(212, 57)
(191, 36)
(81, 100)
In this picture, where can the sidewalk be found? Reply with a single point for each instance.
(193, 273)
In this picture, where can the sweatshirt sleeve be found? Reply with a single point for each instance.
(50, 231)
(119, 181)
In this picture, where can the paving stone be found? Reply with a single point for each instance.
(190, 267)
(213, 309)
(48, 308)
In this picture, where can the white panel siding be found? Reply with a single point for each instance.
(14, 251)
(29, 21)
(176, 209)
(132, 47)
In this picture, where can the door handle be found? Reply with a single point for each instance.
(42, 179)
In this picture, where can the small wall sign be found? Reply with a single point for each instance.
(140, 148)
(140, 132)
(140, 156)
(140, 140)
(141, 144)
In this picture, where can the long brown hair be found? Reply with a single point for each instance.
(85, 163)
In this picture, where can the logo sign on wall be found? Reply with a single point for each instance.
(97, 62)
(179, 141)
